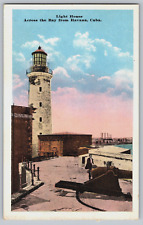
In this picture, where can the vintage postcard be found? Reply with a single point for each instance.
(71, 111)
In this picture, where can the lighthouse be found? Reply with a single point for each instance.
(40, 97)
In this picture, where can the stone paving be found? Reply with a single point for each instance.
(25, 191)
(49, 198)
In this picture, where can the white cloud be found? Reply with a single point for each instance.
(82, 80)
(103, 41)
(118, 84)
(122, 83)
(122, 77)
(85, 35)
(19, 57)
(124, 54)
(104, 78)
(31, 44)
(40, 36)
(83, 41)
(90, 75)
(21, 99)
(115, 49)
(105, 53)
(34, 44)
(87, 61)
(44, 43)
(61, 71)
(53, 41)
(73, 58)
(17, 82)
(74, 62)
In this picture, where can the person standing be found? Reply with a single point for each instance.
(89, 165)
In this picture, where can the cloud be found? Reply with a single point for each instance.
(21, 99)
(104, 78)
(60, 71)
(17, 82)
(83, 41)
(35, 43)
(119, 83)
(19, 57)
(124, 54)
(73, 58)
(79, 112)
(103, 41)
(122, 81)
(69, 77)
(53, 41)
(82, 80)
(47, 44)
(89, 75)
(61, 78)
(73, 74)
(20, 95)
(75, 62)
(105, 53)
(122, 77)
(116, 50)
(88, 60)
(31, 44)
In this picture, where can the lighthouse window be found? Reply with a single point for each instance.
(39, 59)
(43, 60)
(40, 119)
(40, 89)
(40, 104)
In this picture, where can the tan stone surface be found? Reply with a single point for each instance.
(49, 198)
(43, 80)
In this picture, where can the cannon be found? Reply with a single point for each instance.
(107, 183)
(120, 173)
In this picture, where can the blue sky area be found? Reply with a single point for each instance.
(93, 57)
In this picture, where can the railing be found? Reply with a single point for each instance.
(30, 166)
(39, 69)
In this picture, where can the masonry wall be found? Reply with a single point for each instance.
(51, 147)
(21, 123)
(64, 145)
(40, 99)
(72, 143)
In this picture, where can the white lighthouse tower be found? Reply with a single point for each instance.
(40, 97)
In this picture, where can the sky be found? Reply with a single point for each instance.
(92, 63)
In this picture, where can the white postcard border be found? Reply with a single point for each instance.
(8, 214)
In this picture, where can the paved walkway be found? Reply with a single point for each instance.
(49, 198)
(25, 191)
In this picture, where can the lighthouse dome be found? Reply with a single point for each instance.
(39, 50)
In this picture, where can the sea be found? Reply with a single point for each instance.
(127, 146)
